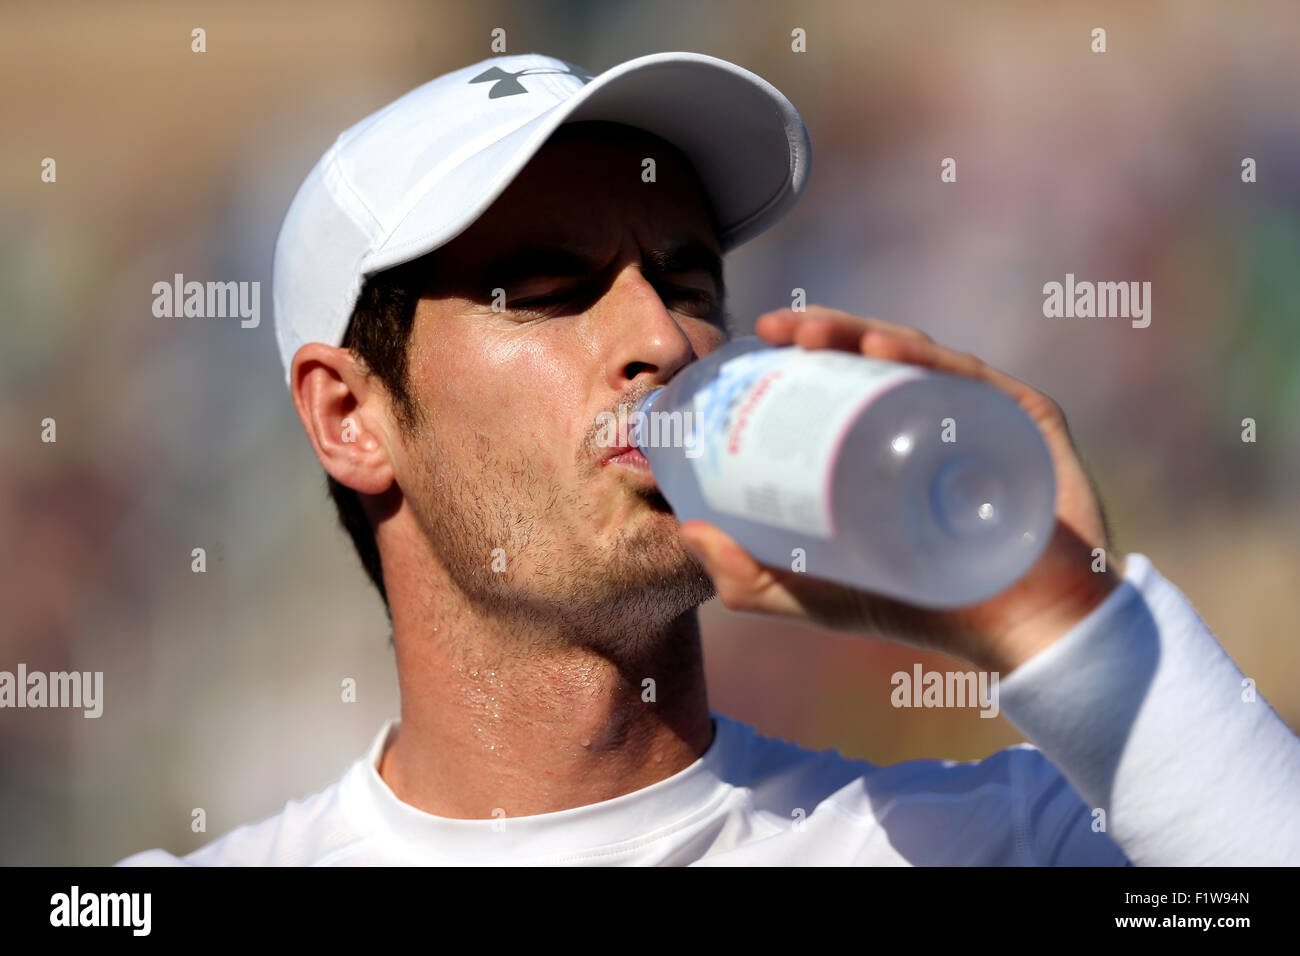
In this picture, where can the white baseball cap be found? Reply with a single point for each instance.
(417, 173)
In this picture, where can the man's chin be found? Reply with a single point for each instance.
(651, 563)
(642, 609)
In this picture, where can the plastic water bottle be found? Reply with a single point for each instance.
(930, 488)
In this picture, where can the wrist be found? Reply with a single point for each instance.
(1045, 605)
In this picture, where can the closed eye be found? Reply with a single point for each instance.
(557, 303)
(702, 304)
(698, 303)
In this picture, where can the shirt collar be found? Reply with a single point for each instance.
(659, 809)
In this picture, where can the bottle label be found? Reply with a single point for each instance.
(770, 425)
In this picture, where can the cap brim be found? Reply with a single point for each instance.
(745, 140)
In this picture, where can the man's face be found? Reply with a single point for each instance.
(611, 285)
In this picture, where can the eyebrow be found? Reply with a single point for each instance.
(559, 262)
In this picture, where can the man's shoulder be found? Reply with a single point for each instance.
(1012, 806)
(1005, 786)
(312, 831)
(777, 764)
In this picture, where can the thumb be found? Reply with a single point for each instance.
(741, 582)
(712, 547)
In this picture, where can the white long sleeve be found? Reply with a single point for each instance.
(1150, 720)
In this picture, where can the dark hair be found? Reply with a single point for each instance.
(378, 334)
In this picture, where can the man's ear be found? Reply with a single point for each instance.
(345, 414)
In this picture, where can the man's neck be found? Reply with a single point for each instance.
(525, 723)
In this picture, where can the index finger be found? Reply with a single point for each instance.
(820, 327)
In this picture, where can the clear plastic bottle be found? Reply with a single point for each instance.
(918, 485)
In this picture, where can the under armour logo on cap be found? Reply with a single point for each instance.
(507, 84)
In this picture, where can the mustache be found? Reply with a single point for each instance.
(591, 439)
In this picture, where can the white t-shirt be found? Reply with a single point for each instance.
(1138, 706)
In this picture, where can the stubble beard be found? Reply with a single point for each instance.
(550, 577)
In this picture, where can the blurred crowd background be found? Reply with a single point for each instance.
(223, 689)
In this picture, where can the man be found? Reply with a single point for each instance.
(466, 281)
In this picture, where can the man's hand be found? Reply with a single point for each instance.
(999, 633)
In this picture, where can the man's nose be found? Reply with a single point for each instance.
(645, 338)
